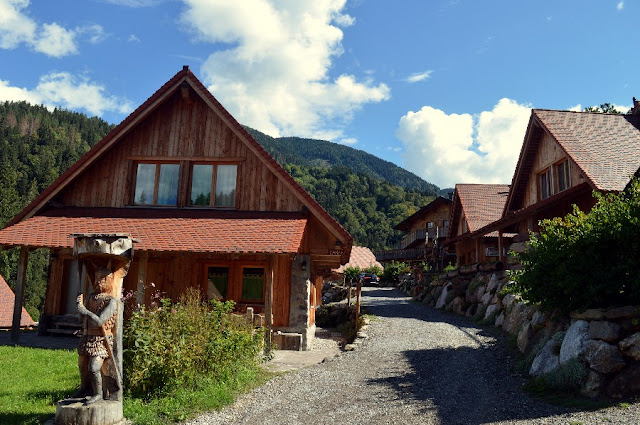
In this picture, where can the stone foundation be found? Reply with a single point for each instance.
(606, 341)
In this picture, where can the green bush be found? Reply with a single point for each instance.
(586, 260)
(351, 273)
(176, 345)
(393, 271)
(450, 267)
(377, 270)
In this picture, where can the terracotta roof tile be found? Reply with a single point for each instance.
(166, 230)
(482, 203)
(606, 147)
(7, 299)
(360, 257)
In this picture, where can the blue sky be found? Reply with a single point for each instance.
(442, 88)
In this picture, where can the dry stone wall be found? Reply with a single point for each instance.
(605, 341)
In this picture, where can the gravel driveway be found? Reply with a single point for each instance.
(418, 366)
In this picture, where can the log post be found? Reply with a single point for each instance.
(19, 293)
(500, 256)
(143, 259)
(268, 304)
(358, 291)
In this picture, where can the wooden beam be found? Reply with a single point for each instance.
(268, 301)
(500, 256)
(143, 260)
(19, 293)
(477, 250)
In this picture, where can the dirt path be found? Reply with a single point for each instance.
(419, 365)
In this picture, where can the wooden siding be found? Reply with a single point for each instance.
(466, 250)
(549, 153)
(180, 130)
(437, 217)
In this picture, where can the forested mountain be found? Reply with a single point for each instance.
(367, 195)
(321, 153)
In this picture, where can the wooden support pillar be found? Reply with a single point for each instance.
(477, 250)
(500, 256)
(19, 293)
(143, 259)
(268, 302)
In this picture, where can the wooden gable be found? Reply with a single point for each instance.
(183, 123)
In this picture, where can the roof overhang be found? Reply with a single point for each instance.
(165, 230)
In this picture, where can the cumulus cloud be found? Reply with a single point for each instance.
(620, 5)
(274, 73)
(418, 76)
(17, 28)
(446, 149)
(348, 141)
(133, 39)
(95, 33)
(62, 89)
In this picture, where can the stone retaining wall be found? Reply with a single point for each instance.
(606, 341)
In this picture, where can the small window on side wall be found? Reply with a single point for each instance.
(253, 284)
(563, 176)
(156, 184)
(213, 185)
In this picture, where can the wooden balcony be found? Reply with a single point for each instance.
(400, 254)
(413, 238)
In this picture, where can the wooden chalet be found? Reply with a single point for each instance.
(565, 157)
(474, 207)
(426, 229)
(209, 207)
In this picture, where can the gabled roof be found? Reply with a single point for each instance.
(7, 300)
(605, 147)
(421, 213)
(362, 257)
(166, 229)
(187, 77)
(481, 204)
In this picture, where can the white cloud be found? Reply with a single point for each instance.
(620, 5)
(133, 39)
(55, 41)
(446, 149)
(348, 141)
(17, 28)
(62, 89)
(274, 73)
(576, 108)
(95, 32)
(418, 76)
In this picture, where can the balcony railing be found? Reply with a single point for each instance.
(434, 233)
(400, 254)
(416, 235)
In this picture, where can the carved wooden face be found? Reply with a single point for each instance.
(103, 281)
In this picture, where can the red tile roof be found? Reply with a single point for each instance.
(482, 203)
(7, 300)
(606, 147)
(150, 104)
(360, 257)
(165, 230)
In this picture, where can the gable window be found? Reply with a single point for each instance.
(213, 185)
(252, 284)
(156, 184)
(544, 184)
(562, 175)
(430, 225)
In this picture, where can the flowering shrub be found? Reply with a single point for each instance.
(177, 344)
(586, 260)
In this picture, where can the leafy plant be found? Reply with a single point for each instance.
(177, 345)
(585, 260)
(351, 273)
(450, 268)
(377, 270)
(393, 271)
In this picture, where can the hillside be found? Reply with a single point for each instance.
(324, 154)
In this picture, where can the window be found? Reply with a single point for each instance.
(252, 284)
(156, 184)
(544, 184)
(562, 175)
(218, 180)
(445, 223)
(430, 225)
(217, 282)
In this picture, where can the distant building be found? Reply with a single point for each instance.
(7, 300)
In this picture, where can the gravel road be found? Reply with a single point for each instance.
(418, 366)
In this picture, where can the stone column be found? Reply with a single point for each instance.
(299, 301)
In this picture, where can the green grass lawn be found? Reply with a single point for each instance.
(33, 380)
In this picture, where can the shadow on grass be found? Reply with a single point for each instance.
(22, 419)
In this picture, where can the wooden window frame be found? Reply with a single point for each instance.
(549, 183)
(230, 277)
(214, 177)
(156, 182)
(262, 266)
(566, 172)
